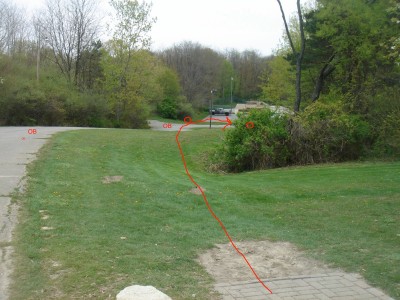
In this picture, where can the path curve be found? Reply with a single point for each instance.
(17, 149)
(158, 125)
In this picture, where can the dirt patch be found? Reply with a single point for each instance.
(46, 228)
(196, 190)
(43, 214)
(111, 179)
(269, 259)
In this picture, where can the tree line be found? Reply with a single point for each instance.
(351, 47)
(56, 70)
(338, 69)
(202, 69)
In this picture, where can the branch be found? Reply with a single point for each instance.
(325, 71)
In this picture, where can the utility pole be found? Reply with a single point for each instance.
(211, 103)
(231, 93)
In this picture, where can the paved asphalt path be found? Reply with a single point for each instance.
(158, 125)
(17, 149)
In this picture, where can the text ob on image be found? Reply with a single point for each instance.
(167, 125)
(32, 131)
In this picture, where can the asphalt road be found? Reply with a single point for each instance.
(18, 147)
(162, 126)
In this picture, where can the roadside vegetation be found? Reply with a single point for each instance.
(83, 236)
(263, 139)
(55, 69)
(337, 69)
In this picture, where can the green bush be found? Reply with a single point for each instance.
(388, 141)
(168, 108)
(23, 106)
(135, 116)
(54, 113)
(258, 140)
(325, 132)
(30, 105)
(175, 109)
(184, 109)
(89, 110)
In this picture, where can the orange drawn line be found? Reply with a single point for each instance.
(205, 198)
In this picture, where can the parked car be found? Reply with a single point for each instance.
(220, 111)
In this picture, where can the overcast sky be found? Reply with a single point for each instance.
(219, 24)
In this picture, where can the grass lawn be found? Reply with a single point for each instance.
(79, 238)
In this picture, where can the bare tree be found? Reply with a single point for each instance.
(249, 66)
(3, 31)
(198, 68)
(299, 54)
(38, 31)
(13, 28)
(69, 28)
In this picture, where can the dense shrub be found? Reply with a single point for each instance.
(175, 109)
(47, 104)
(23, 106)
(30, 105)
(89, 110)
(327, 133)
(321, 133)
(185, 109)
(388, 141)
(168, 108)
(262, 146)
(135, 116)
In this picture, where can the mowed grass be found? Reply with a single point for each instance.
(79, 238)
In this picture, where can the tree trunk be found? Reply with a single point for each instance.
(298, 54)
(319, 83)
(299, 61)
(298, 85)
